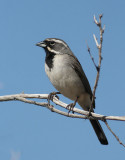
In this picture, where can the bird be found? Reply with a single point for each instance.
(67, 76)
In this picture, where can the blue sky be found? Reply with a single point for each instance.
(32, 132)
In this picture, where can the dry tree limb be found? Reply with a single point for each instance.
(23, 98)
(99, 47)
(80, 113)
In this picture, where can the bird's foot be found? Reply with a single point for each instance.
(51, 95)
(90, 113)
(70, 107)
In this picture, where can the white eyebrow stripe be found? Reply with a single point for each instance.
(58, 41)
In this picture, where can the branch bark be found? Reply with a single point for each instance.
(80, 113)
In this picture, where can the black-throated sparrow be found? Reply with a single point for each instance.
(67, 76)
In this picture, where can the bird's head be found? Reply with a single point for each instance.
(54, 46)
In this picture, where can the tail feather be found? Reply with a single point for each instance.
(99, 132)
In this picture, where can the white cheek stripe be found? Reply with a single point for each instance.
(51, 50)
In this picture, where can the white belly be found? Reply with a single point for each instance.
(65, 79)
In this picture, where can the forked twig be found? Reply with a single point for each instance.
(99, 47)
(92, 58)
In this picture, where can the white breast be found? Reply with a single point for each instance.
(64, 78)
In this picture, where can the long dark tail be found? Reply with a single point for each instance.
(99, 132)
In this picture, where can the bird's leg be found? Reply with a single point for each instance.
(90, 110)
(72, 105)
(51, 95)
(89, 115)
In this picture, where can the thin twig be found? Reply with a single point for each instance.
(113, 133)
(96, 41)
(92, 58)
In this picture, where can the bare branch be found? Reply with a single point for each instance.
(23, 98)
(114, 134)
(99, 46)
(95, 20)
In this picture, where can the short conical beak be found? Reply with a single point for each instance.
(41, 44)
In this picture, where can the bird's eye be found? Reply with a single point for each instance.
(52, 43)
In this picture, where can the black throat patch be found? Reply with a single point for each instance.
(49, 59)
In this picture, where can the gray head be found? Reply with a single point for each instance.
(55, 46)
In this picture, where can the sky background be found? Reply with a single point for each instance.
(29, 132)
